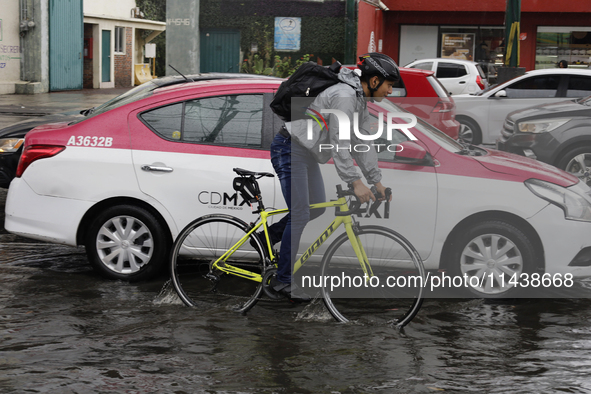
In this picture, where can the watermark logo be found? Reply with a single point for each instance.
(317, 117)
(344, 133)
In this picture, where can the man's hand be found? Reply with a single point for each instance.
(363, 193)
(382, 190)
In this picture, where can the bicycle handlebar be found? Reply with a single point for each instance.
(355, 205)
(248, 188)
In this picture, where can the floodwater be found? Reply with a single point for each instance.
(63, 329)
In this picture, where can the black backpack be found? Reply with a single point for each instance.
(307, 81)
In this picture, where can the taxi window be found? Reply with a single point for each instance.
(233, 120)
(166, 121)
(225, 120)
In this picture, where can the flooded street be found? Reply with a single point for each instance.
(63, 329)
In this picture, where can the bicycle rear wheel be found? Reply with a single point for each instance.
(389, 291)
(200, 244)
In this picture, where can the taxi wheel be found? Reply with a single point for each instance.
(578, 163)
(127, 242)
(491, 256)
(469, 131)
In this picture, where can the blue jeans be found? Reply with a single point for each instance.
(297, 171)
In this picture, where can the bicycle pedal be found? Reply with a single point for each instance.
(267, 289)
(212, 277)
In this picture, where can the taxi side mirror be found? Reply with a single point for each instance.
(409, 152)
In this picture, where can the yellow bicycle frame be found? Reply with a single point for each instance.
(341, 203)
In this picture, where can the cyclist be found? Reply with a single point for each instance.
(295, 158)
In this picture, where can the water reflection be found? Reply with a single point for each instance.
(64, 329)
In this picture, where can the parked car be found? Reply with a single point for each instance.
(420, 93)
(481, 116)
(423, 95)
(557, 134)
(124, 183)
(457, 76)
(12, 137)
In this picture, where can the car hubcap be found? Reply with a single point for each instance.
(489, 262)
(466, 133)
(579, 166)
(124, 244)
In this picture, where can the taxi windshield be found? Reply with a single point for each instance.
(139, 92)
(432, 132)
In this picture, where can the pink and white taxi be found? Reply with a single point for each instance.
(124, 182)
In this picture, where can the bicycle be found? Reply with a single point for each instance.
(223, 255)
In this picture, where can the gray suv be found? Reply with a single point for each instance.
(557, 134)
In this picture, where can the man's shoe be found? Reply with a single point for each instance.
(289, 290)
(298, 295)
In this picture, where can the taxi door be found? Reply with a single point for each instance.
(184, 152)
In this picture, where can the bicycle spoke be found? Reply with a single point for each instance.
(203, 242)
(393, 294)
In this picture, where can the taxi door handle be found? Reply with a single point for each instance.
(462, 81)
(150, 168)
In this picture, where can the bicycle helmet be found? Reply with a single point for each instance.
(380, 65)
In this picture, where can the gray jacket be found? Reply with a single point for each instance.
(347, 97)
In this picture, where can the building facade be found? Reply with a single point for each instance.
(53, 45)
(219, 35)
(10, 46)
(474, 29)
(115, 35)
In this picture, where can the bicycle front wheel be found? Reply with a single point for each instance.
(388, 288)
(203, 242)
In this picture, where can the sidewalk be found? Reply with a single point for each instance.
(17, 107)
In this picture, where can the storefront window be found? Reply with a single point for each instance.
(457, 46)
(569, 44)
(480, 44)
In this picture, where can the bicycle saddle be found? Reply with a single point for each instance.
(243, 172)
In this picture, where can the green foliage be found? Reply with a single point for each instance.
(260, 62)
(282, 67)
(266, 61)
(321, 34)
(255, 64)
(154, 10)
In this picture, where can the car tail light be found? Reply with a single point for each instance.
(36, 152)
(442, 106)
(479, 82)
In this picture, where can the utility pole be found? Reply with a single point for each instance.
(511, 67)
(512, 32)
(350, 29)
